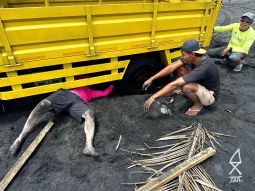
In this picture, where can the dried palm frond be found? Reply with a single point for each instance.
(193, 139)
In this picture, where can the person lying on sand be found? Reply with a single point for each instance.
(199, 78)
(70, 101)
(243, 36)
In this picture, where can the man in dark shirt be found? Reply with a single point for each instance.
(201, 84)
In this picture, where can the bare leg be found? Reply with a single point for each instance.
(189, 91)
(39, 114)
(89, 129)
(181, 71)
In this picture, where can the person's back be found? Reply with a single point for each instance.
(206, 74)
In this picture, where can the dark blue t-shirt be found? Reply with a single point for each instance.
(206, 74)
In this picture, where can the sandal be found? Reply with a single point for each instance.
(197, 111)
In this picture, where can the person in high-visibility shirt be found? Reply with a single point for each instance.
(242, 38)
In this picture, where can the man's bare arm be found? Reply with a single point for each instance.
(169, 88)
(164, 91)
(168, 70)
(164, 72)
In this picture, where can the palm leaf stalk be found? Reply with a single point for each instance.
(193, 139)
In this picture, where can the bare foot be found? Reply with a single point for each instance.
(90, 151)
(194, 110)
(14, 147)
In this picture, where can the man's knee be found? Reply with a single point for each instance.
(215, 52)
(188, 88)
(89, 113)
(45, 103)
(234, 58)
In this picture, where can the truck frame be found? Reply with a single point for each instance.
(45, 44)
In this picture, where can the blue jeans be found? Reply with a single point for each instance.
(233, 58)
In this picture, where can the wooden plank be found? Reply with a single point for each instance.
(21, 161)
(178, 170)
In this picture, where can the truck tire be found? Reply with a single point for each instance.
(138, 72)
(2, 107)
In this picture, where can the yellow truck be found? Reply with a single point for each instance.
(46, 44)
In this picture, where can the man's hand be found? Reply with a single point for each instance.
(224, 51)
(147, 84)
(148, 103)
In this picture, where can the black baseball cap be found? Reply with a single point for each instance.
(190, 46)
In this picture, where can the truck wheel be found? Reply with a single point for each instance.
(2, 107)
(137, 73)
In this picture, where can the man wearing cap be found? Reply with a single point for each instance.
(242, 37)
(199, 80)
